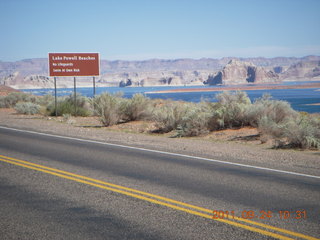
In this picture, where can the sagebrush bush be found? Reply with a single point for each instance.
(109, 107)
(2, 102)
(275, 110)
(169, 116)
(66, 105)
(28, 108)
(195, 122)
(301, 131)
(230, 110)
(136, 108)
(45, 100)
(13, 98)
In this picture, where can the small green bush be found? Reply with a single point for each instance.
(28, 108)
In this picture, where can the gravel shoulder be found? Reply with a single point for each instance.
(243, 148)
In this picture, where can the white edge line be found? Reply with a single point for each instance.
(162, 152)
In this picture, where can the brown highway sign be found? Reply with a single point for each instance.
(74, 64)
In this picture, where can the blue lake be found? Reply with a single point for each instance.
(298, 98)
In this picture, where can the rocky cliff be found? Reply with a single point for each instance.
(239, 72)
(33, 73)
(301, 70)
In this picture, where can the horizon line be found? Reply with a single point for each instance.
(174, 59)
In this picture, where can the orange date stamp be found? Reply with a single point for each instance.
(263, 214)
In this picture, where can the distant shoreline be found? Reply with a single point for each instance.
(235, 88)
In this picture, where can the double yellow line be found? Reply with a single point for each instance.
(257, 227)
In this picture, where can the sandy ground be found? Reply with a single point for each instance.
(240, 146)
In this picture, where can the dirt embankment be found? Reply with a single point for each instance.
(237, 145)
(5, 90)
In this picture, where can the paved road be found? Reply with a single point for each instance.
(59, 188)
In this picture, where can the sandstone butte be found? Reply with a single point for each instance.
(240, 72)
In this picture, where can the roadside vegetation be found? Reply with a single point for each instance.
(274, 119)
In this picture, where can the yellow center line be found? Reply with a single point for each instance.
(116, 188)
(164, 199)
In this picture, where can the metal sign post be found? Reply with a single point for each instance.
(94, 87)
(75, 96)
(55, 96)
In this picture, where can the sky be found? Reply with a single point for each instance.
(163, 29)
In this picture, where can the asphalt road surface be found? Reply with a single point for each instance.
(63, 188)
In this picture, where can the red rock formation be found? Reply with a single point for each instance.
(238, 72)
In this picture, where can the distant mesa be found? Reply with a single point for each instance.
(309, 69)
(240, 72)
(33, 73)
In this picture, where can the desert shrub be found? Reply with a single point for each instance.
(195, 122)
(28, 108)
(230, 110)
(170, 115)
(45, 100)
(2, 102)
(109, 107)
(302, 131)
(13, 98)
(136, 108)
(66, 105)
(275, 110)
(268, 127)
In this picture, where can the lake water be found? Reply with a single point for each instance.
(298, 98)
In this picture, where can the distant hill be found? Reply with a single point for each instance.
(33, 73)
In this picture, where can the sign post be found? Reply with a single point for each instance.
(94, 87)
(73, 65)
(75, 95)
(55, 96)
